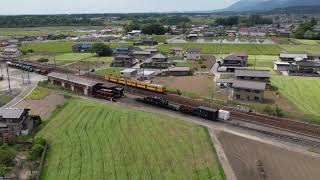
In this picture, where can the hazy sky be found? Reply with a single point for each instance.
(106, 6)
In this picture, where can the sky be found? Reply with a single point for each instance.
(14, 7)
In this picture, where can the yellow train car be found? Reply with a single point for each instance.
(138, 84)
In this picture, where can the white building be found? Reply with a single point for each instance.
(129, 73)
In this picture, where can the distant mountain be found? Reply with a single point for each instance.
(267, 5)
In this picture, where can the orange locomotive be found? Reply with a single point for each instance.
(138, 84)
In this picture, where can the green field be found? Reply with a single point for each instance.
(303, 92)
(301, 49)
(62, 46)
(89, 140)
(38, 94)
(114, 71)
(262, 60)
(39, 31)
(306, 42)
(263, 49)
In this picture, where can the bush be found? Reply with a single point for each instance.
(37, 148)
(43, 60)
(7, 156)
(203, 66)
(268, 110)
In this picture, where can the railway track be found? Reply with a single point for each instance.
(270, 121)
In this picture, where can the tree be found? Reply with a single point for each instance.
(132, 26)
(153, 28)
(101, 49)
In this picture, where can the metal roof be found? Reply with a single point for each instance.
(252, 73)
(13, 113)
(233, 57)
(141, 52)
(254, 85)
(159, 56)
(72, 78)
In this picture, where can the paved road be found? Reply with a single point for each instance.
(24, 93)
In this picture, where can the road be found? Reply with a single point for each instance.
(24, 93)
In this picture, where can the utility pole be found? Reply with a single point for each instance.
(255, 60)
(8, 79)
(54, 60)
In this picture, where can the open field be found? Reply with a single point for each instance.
(38, 94)
(113, 71)
(62, 46)
(301, 49)
(39, 31)
(262, 60)
(306, 42)
(278, 163)
(302, 92)
(227, 48)
(89, 140)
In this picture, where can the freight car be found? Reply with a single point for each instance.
(202, 112)
(44, 70)
(102, 92)
(137, 84)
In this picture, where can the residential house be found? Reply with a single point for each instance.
(243, 90)
(253, 75)
(234, 61)
(141, 55)
(146, 42)
(176, 52)
(121, 51)
(123, 61)
(193, 54)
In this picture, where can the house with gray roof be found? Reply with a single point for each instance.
(253, 75)
(244, 90)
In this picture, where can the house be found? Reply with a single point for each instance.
(234, 61)
(193, 54)
(209, 34)
(17, 120)
(177, 71)
(192, 36)
(243, 90)
(176, 52)
(123, 61)
(141, 55)
(152, 50)
(292, 57)
(78, 48)
(145, 42)
(134, 33)
(231, 33)
(159, 58)
(10, 54)
(129, 73)
(253, 75)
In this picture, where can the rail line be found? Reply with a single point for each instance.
(298, 127)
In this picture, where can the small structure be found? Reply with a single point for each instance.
(146, 75)
(16, 120)
(193, 54)
(152, 50)
(81, 48)
(123, 61)
(177, 71)
(129, 73)
(141, 55)
(248, 90)
(10, 53)
(121, 51)
(134, 33)
(176, 52)
(71, 82)
(159, 58)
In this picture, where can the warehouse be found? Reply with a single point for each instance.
(71, 82)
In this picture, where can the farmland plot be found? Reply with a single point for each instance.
(95, 141)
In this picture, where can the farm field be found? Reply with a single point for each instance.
(89, 140)
(114, 71)
(307, 42)
(301, 49)
(39, 31)
(303, 92)
(61, 46)
(262, 60)
(226, 48)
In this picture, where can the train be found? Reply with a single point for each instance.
(137, 84)
(30, 67)
(200, 111)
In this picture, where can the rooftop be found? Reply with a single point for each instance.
(12, 113)
(159, 56)
(253, 85)
(252, 73)
(233, 57)
(286, 55)
(193, 50)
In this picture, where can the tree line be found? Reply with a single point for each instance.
(252, 20)
(52, 20)
(305, 31)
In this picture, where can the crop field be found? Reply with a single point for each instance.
(89, 140)
(62, 46)
(39, 31)
(114, 71)
(259, 49)
(303, 92)
(306, 42)
(301, 49)
(262, 60)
